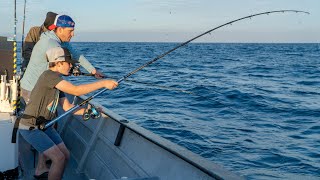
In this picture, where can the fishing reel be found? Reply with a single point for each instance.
(91, 112)
(75, 70)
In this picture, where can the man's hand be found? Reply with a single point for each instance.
(97, 74)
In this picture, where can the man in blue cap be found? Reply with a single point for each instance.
(60, 36)
(62, 30)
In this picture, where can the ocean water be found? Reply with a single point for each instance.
(252, 108)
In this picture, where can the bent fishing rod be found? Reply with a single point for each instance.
(46, 125)
(170, 89)
(144, 83)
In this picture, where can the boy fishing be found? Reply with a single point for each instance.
(46, 95)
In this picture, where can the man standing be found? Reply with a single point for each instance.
(33, 37)
(60, 36)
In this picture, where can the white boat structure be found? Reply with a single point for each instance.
(110, 147)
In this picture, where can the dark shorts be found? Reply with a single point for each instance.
(41, 140)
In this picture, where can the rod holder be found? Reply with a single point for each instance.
(3, 87)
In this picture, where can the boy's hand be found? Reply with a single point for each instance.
(110, 84)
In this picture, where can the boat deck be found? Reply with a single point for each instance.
(23, 155)
(112, 147)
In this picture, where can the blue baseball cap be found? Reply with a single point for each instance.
(63, 21)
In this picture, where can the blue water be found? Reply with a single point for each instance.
(255, 108)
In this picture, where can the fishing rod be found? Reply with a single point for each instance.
(145, 83)
(78, 73)
(15, 40)
(15, 21)
(75, 71)
(46, 125)
(22, 37)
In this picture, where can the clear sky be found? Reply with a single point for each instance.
(172, 20)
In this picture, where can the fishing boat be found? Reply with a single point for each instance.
(107, 147)
(103, 147)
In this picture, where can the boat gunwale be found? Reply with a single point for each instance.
(208, 167)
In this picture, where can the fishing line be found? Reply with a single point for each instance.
(145, 83)
(187, 92)
(44, 126)
(151, 85)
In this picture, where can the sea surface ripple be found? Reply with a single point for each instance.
(253, 108)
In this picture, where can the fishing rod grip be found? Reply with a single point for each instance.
(45, 126)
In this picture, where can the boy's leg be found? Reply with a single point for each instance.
(64, 150)
(42, 143)
(41, 166)
(55, 137)
(58, 162)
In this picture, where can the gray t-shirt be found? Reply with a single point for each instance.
(44, 99)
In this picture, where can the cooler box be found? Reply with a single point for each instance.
(8, 150)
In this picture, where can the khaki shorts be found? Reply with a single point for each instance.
(25, 95)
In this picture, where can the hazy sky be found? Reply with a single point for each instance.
(172, 20)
